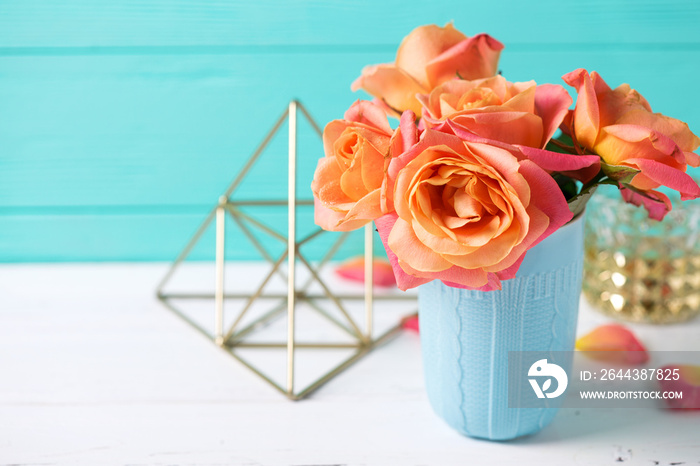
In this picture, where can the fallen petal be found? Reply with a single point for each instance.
(613, 343)
(688, 384)
(354, 269)
(410, 323)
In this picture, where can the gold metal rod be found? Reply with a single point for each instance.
(308, 390)
(301, 296)
(365, 349)
(311, 121)
(219, 287)
(254, 296)
(186, 251)
(291, 245)
(187, 320)
(257, 323)
(387, 335)
(329, 375)
(251, 237)
(310, 237)
(210, 337)
(268, 202)
(329, 255)
(369, 279)
(258, 151)
(312, 303)
(365, 342)
(297, 345)
(255, 222)
(334, 248)
(330, 295)
(256, 371)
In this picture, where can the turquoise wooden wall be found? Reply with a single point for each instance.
(121, 122)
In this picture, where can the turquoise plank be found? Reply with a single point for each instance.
(121, 122)
(150, 236)
(161, 130)
(174, 130)
(88, 23)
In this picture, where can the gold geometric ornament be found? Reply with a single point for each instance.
(306, 287)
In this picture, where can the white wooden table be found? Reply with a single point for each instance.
(94, 370)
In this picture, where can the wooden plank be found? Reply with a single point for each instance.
(82, 23)
(95, 371)
(148, 234)
(174, 130)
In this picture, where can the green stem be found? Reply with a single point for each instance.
(594, 182)
(561, 145)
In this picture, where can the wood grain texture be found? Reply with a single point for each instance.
(150, 233)
(109, 110)
(98, 372)
(84, 23)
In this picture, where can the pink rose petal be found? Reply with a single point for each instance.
(668, 176)
(688, 383)
(580, 167)
(403, 280)
(586, 113)
(657, 209)
(369, 114)
(354, 269)
(411, 323)
(614, 343)
(552, 103)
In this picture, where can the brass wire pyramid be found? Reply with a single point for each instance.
(313, 291)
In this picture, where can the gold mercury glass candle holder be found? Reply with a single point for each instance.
(638, 269)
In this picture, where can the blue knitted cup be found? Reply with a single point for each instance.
(466, 336)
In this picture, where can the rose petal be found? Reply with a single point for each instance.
(613, 343)
(692, 159)
(552, 103)
(404, 281)
(424, 44)
(668, 176)
(411, 323)
(688, 383)
(676, 130)
(586, 113)
(326, 184)
(511, 272)
(391, 84)
(336, 129)
(406, 245)
(370, 114)
(657, 209)
(366, 209)
(473, 58)
(601, 86)
(429, 139)
(506, 126)
(409, 132)
(546, 196)
(354, 270)
(580, 167)
(331, 220)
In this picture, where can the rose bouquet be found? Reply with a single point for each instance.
(479, 170)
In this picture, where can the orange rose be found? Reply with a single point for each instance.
(493, 108)
(619, 126)
(466, 212)
(427, 57)
(349, 186)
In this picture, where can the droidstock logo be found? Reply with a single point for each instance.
(541, 369)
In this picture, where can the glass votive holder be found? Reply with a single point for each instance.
(638, 269)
